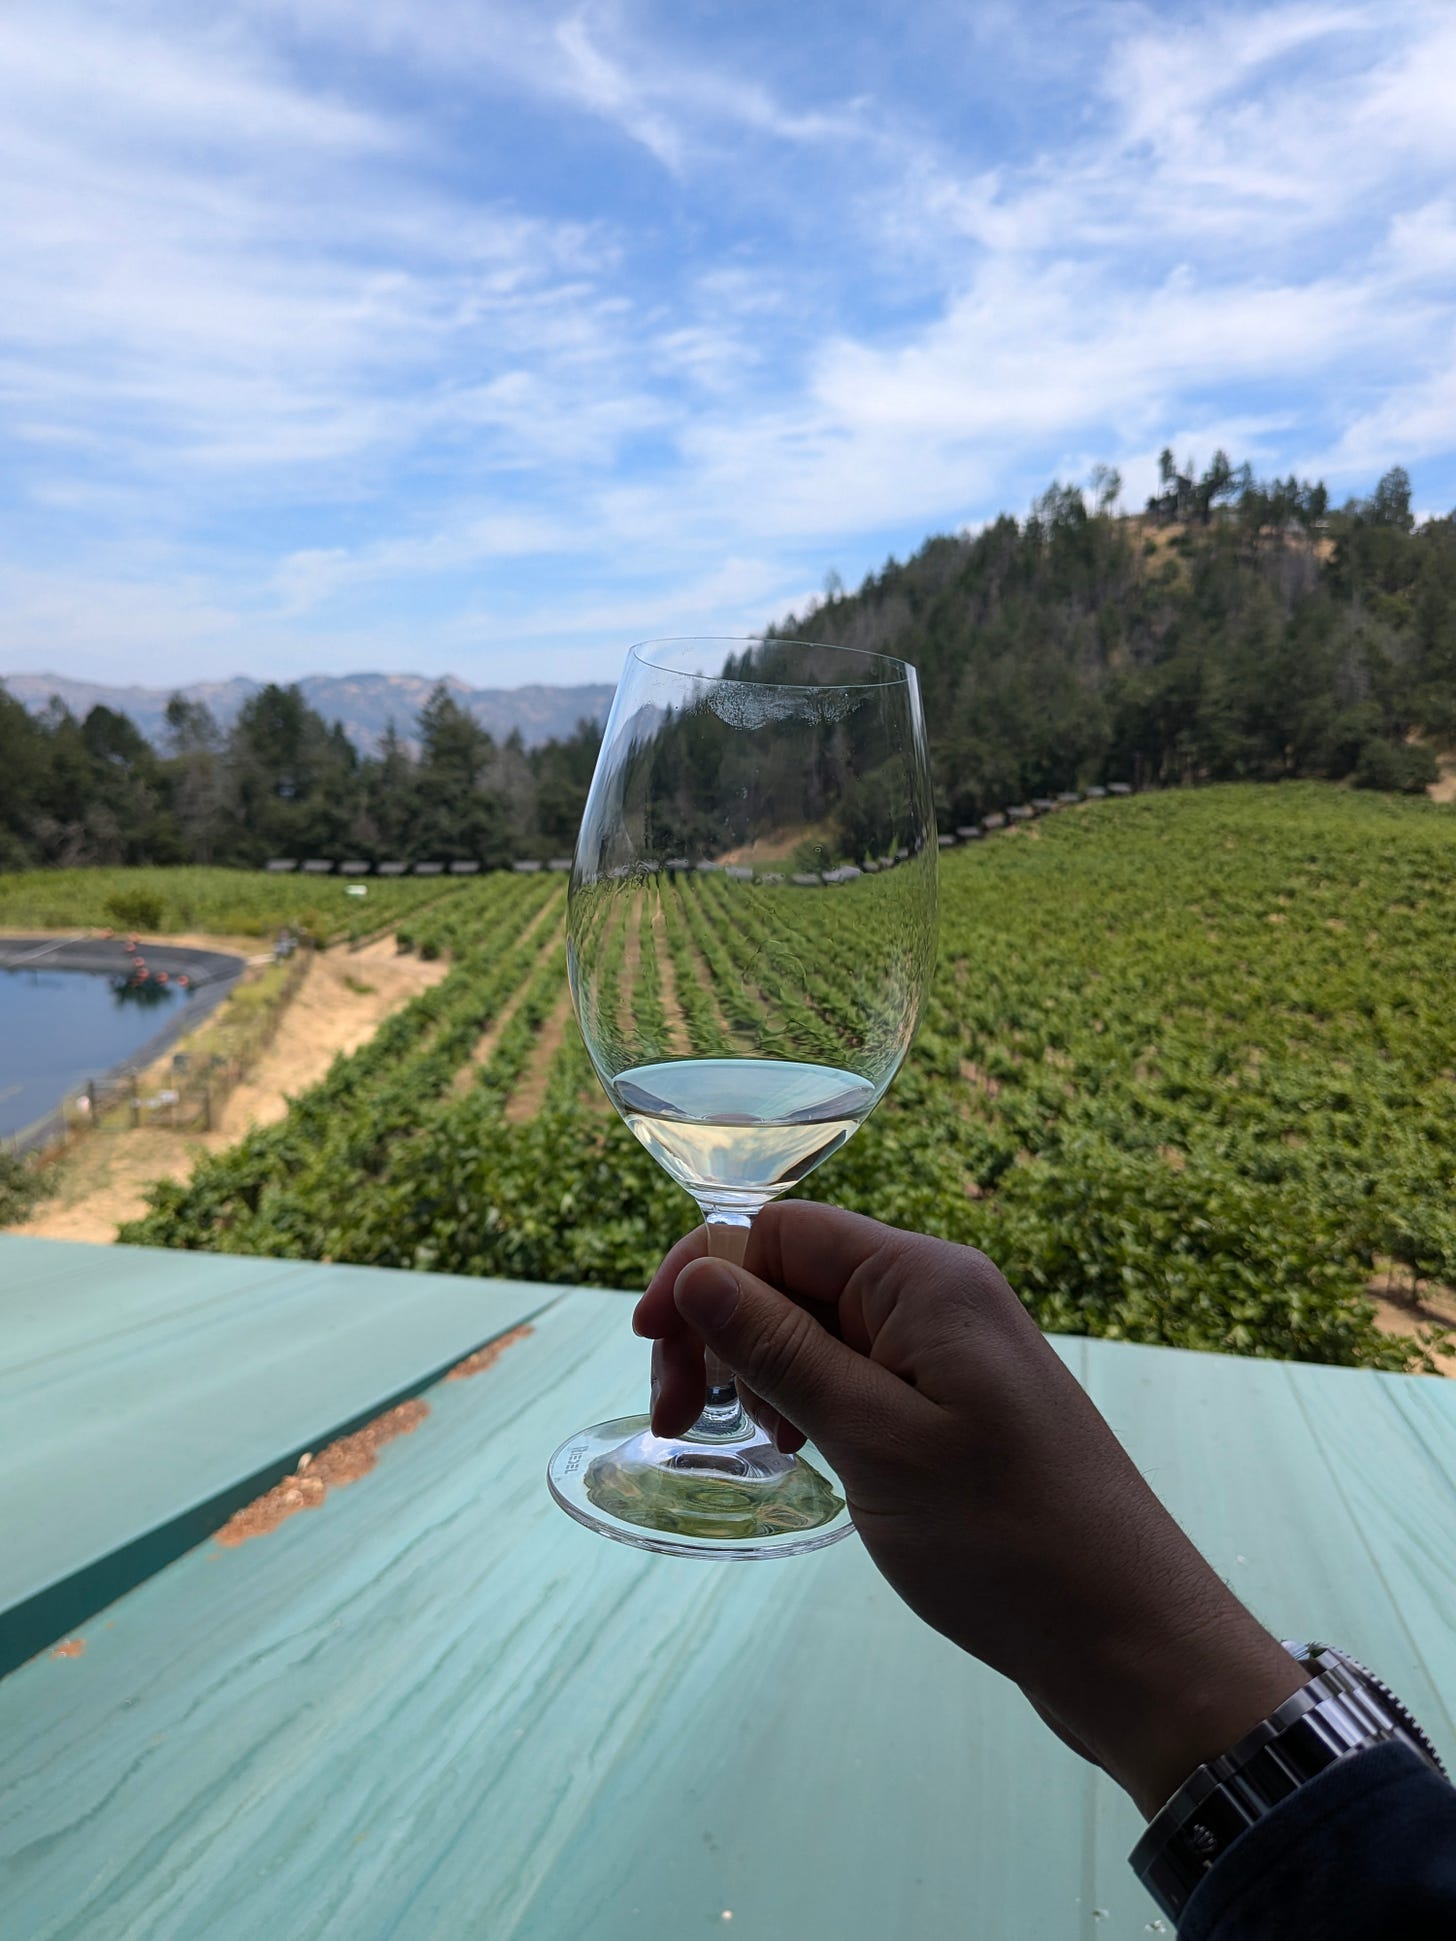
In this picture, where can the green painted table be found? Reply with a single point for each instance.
(436, 1707)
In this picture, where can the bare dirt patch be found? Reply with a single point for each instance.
(632, 950)
(775, 848)
(1408, 1311)
(530, 1095)
(706, 980)
(1443, 789)
(486, 1043)
(339, 1006)
(677, 1030)
(1157, 536)
(102, 1180)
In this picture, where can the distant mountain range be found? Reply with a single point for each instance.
(365, 703)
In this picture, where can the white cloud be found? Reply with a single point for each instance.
(599, 83)
(304, 580)
(78, 70)
(299, 303)
(626, 65)
(1421, 249)
(557, 327)
(1413, 421)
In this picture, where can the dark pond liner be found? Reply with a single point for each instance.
(211, 973)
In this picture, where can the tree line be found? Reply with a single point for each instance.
(281, 782)
(1236, 629)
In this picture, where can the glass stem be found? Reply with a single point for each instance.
(724, 1418)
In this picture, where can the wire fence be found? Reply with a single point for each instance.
(198, 1086)
(192, 1092)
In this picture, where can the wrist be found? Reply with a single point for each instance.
(1172, 1704)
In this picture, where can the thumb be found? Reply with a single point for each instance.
(782, 1353)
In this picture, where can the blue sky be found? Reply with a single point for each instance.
(418, 335)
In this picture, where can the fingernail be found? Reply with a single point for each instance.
(706, 1294)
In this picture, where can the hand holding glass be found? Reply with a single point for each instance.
(751, 933)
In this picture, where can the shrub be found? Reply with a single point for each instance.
(19, 1189)
(1402, 767)
(134, 909)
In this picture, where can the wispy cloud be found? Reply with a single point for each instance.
(503, 333)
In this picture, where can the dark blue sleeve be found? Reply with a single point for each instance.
(1367, 1849)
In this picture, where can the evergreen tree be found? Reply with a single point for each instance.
(459, 816)
(198, 778)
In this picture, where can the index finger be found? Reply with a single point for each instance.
(807, 1250)
(654, 1315)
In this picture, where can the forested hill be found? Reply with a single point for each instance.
(1232, 631)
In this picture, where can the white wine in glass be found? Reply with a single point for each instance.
(751, 933)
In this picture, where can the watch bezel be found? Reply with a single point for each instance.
(1312, 1657)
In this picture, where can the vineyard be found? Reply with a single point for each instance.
(1188, 1073)
(218, 902)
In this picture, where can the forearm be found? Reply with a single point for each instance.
(1159, 1701)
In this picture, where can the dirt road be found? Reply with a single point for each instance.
(102, 1181)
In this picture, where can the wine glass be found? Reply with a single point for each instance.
(751, 933)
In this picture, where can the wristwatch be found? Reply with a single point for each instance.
(1344, 1709)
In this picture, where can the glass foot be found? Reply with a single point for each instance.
(691, 1498)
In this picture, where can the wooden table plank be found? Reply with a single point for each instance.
(1306, 1489)
(436, 1706)
(1310, 1496)
(1430, 1415)
(150, 1392)
(56, 1295)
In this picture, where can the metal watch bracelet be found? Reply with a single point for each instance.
(1343, 1709)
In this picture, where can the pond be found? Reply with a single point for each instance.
(76, 1009)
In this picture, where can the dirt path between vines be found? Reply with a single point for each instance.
(1435, 1307)
(341, 1002)
(530, 1093)
(677, 1027)
(631, 952)
(484, 1046)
